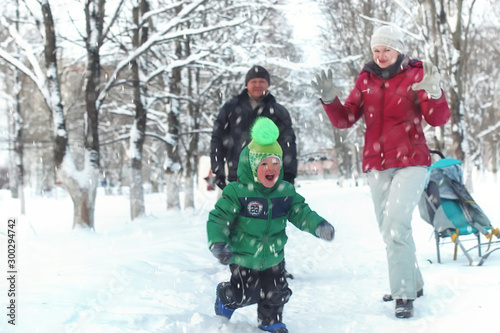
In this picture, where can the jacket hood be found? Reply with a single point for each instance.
(245, 175)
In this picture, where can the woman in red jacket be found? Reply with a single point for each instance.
(393, 94)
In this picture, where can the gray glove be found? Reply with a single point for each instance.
(324, 86)
(223, 252)
(430, 81)
(325, 231)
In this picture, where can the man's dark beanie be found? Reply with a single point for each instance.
(257, 72)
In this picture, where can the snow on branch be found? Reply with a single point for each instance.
(176, 64)
(20, 66)
(36, 75)
(162, 37)
(490, 129)
(160, 10)
(199, 31)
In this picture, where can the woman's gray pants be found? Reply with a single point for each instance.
(395, 194)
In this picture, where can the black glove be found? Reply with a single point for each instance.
(325, 231)
(223, 252)
(220, 181)
(289, 177)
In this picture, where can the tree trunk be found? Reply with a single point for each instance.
(81, 186)
(16, 127)
(343, 153)
(461, 149)
(19, 155)
(17, 164)
(16, 136)
(456, 106)
(137, 203)
(434, 21)
(456, 32)
(173, 167)
(192, 151)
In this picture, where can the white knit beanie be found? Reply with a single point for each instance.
(388, 36)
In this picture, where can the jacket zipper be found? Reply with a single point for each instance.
(382, 155)
(265, 248)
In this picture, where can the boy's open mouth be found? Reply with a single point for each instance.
(269, 177)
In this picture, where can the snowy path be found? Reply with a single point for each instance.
(157, 275)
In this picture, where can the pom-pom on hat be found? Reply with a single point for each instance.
(264, 134)
(388, 36)
(257, 72)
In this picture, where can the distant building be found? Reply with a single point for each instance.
(318, 165)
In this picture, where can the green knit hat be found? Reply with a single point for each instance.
(264, 134)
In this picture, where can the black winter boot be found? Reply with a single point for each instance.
(219, 307)
(404, 308)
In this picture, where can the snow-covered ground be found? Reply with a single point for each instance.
(157, 275)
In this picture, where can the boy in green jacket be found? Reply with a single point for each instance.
(246, 229)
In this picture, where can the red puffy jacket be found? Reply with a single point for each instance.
(393, 114)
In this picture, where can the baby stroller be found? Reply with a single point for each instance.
(448, 206)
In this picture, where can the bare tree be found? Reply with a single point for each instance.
(166, 41)
(17, 129)
(48, 84)
(80, 182)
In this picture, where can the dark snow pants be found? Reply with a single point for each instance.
(268, 288)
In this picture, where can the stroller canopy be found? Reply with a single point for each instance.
(442, 173)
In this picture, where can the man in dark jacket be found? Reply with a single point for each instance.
(232, 126)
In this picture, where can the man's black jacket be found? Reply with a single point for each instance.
(231, 133)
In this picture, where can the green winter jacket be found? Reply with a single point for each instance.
(252, 218)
